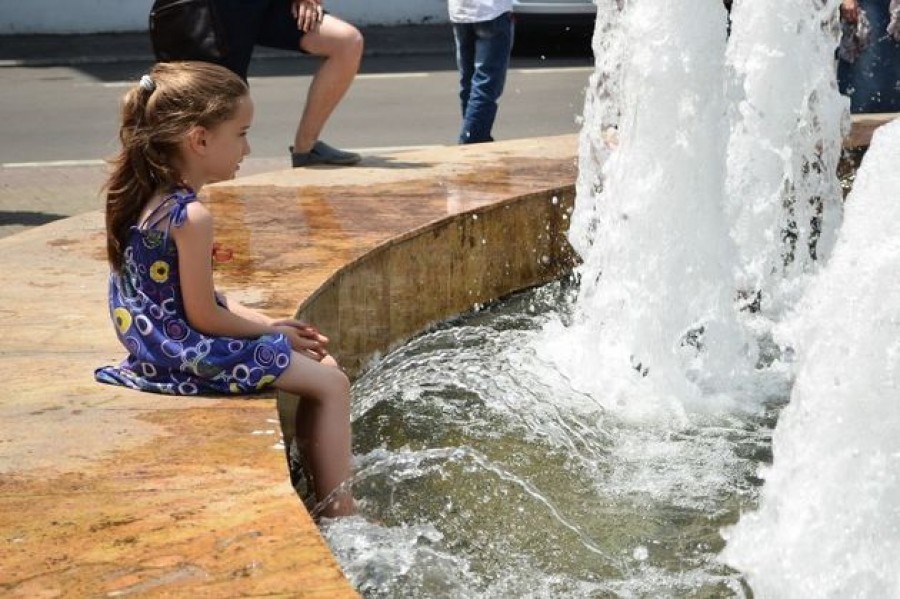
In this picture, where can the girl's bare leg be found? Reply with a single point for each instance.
(323, 427)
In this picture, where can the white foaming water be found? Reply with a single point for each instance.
(829, 523)
(701, 218)
(829, 518)
(491, 477)
(786, 121)
(655, 304)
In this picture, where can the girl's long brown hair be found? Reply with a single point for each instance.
(153, 124)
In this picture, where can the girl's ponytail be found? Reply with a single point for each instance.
(131, 181)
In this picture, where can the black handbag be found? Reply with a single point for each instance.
(186, 30)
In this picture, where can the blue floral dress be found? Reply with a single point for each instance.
(166, 355)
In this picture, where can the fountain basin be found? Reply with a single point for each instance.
(107, 491)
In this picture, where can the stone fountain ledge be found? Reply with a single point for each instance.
(864, 125)
(108, 492)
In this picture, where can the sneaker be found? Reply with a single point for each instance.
(322, 153)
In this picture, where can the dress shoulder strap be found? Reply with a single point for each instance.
(173, 207)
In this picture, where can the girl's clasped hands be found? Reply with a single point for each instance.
(303, 338)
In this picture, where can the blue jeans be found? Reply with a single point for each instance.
(482, 56)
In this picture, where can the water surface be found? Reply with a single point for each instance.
(482, 473)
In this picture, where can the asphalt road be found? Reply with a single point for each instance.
(59, 122)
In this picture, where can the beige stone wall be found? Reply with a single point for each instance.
(441, 270)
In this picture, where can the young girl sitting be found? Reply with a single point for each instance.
(183, 126)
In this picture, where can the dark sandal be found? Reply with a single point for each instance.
(322, 153)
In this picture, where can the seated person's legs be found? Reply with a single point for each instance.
(340, 46)
(323, 428)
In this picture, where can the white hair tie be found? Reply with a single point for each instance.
(146, 83)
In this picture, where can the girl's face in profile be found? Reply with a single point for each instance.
(227, 143)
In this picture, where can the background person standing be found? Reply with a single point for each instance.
(483, 30)
(295, 25)
(869, 55)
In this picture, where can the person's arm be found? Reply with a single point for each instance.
(235, 307)
(314, 342)
(893, 27)
(194, 242)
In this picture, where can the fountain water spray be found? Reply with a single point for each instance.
(787, 120)
(828, 523)
(671, 232)
(707, 195)
(655, 302)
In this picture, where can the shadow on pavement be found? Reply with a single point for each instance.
(27, 218)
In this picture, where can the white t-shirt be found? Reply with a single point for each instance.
(475, 11)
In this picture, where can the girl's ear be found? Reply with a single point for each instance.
(196, 140)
